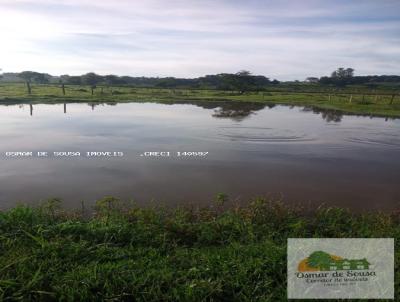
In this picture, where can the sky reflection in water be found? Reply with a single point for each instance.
(298, 154)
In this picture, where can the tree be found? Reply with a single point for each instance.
(28, 76)
(338, 73)
(74, 80)
(92, 80)
(342, 73)
(318, 258)
(349, 72)
(242, 81)
(41, 78)
(64, 78)
(312, 80)
(342, 77)
(112, 79)
(325, 80)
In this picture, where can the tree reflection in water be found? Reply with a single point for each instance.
(238, 111)
(328, 115)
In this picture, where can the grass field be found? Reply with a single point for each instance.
(128, 253)
(377, 102)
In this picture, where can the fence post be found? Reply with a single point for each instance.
(28, 86)
(392, 99)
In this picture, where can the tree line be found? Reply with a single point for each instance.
(345, 76)
(241, 81)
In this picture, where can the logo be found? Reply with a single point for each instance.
(340, 268)
(322, 261)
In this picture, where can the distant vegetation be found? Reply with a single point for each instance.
(343, 77)
(368, 95)
(128, 253)
(241, 81)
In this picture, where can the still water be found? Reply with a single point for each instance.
(291, 153)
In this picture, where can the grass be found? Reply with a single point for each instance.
(127, 253)
(363, 101)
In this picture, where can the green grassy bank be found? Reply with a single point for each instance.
(154, 254)
(364, 101)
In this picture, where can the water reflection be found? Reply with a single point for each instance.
(93, 105)
(254, 149)
(331, 116)
(236, 111)
(328, 115)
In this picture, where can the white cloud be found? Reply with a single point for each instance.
(286, 40)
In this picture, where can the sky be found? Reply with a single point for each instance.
(286, 40)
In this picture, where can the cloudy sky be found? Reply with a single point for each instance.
(189, 38)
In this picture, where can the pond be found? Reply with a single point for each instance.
(186, 153)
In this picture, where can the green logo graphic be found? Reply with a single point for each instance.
(322, 261)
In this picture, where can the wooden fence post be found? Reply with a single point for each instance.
(392, 99)
(28, 86)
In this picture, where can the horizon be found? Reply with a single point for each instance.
(187, 78)
(187, 39)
